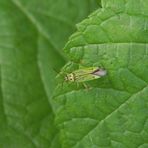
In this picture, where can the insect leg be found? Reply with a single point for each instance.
(86, 86)
(77, 84)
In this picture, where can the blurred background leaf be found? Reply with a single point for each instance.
(32, 35)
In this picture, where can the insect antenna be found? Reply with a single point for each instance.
(55, 70)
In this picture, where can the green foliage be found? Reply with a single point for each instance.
(112, 113)
(32, 34)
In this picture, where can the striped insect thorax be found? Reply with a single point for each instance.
(70, 77)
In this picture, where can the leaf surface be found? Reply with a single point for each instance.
(114, 112)
(32, 34)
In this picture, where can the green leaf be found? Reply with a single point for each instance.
(113, 113)
(32, 34)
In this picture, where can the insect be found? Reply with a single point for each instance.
(86, 74)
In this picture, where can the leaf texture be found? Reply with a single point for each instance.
(114, 112)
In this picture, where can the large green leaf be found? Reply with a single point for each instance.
(32, 34)
(114, 111)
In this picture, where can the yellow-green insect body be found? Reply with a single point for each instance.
(86, 74)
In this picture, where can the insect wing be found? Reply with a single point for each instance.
(85, 71)
(100, 72)
(83, 75)
(88, 77)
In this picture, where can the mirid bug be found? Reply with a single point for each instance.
(86, 74)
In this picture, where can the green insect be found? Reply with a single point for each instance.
(86, 74)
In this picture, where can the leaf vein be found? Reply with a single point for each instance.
(110, 114)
